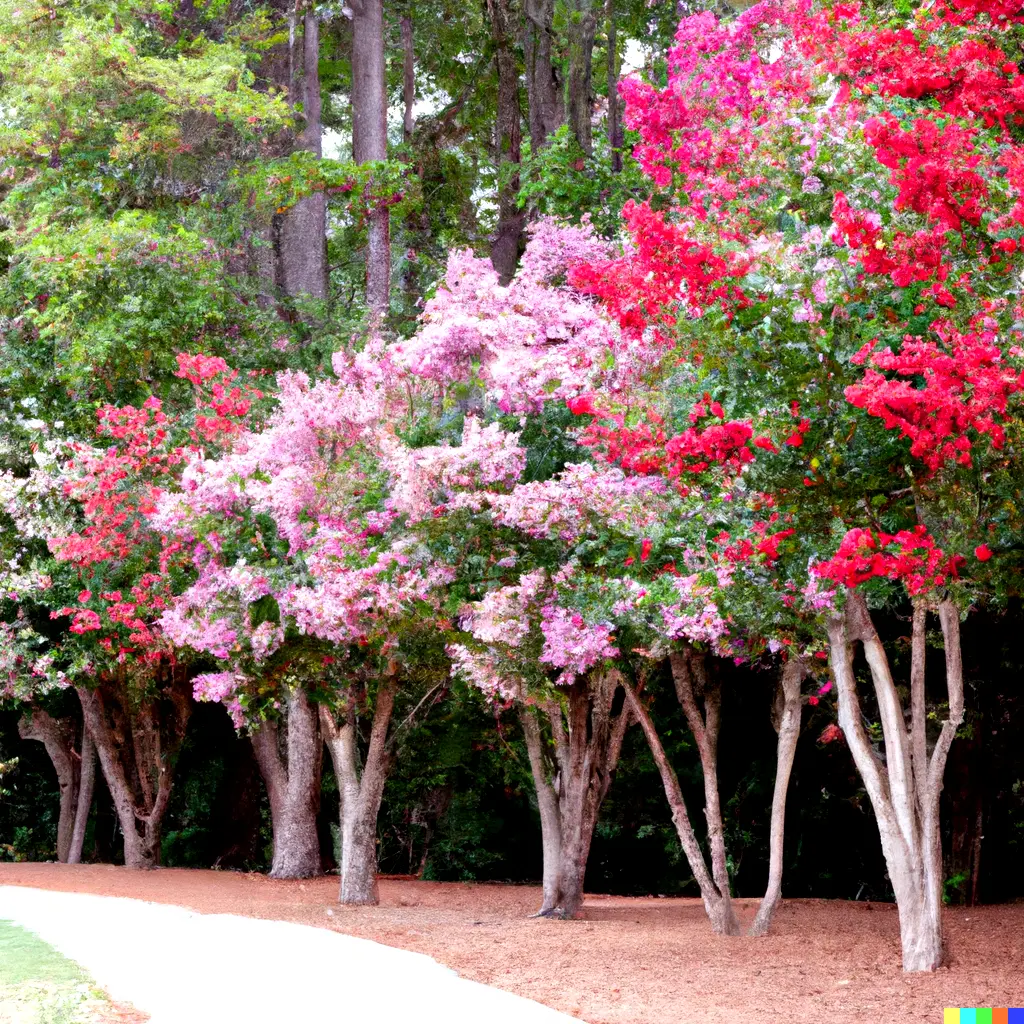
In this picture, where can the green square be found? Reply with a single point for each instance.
(984, 1015)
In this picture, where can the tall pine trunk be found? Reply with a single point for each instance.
(579, 107)
(360, 791)
(370, 143)
(302, 235)
(615, 134)
(905, 786)
(138, 734)
(508, 238)
(544, 91)
(787, 724)
(292, 779)
(408, 79)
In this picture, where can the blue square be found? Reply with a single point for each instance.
(1016, 1015)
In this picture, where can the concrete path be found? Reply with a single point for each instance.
(187, 968)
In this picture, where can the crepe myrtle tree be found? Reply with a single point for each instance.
(839, 272)
(309, 594)
(91, 608)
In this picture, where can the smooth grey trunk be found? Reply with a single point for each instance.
(787, 724)
(615, 134)
(582, 28)
(547, 806)
(293, 786)
(370, 143)
(692, 684)
(717, 904)
(86, 786)
(507, 241)
(408, 79)
(587, 741)
(905, 786)
(57, 736)
(302, 230)
(137, 739)
(544, 90)
(360, 792)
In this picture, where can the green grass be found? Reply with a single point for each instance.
(37, 984)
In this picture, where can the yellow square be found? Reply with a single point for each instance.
(951, 1015)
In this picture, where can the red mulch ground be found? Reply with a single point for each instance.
(629, 961)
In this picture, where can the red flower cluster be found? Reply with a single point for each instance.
(910, 557)
(951, 389)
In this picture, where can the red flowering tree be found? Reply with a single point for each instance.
(838, 271)
(111, 577)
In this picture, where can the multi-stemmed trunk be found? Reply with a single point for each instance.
(508, 237)
(292, 778)
(786, 719)
(370, 143)
(75, 774)
(587, 742)
(717, 899)
(137, 737)
(905, 786)
(360, 791)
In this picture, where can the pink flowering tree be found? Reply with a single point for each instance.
(311, 599)
(836, 273)
(90, 613)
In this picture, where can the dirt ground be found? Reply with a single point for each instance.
(628, 961)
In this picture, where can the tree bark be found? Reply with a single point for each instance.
(507, 242)
(137, 738)
(717, 904)
(582, 28)
(370, 143)
(57, 736)
(360, 792)
(86, 785)
(587, 743)
(408, 79)
(293, 786)
(544, 93)
(905, 787)
(788, 728)
(547, 806)
(687, 669)
(615, 134)
(302, 235)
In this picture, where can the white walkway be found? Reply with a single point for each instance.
(187, 968)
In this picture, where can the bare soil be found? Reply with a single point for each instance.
(628, 961)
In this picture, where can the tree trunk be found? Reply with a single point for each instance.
(137, 738)
(360, 792)
(370, 142)
(582, 27)
(302, 236)
(543, 87)
(550, 818)
(57, 735)
(408, 79)
(615, 135)
(905, 787)
(587, 744)
(788, 728)
(507, 242)
(717, 904)
(293, 787)
(86, 785)
(688, 669)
